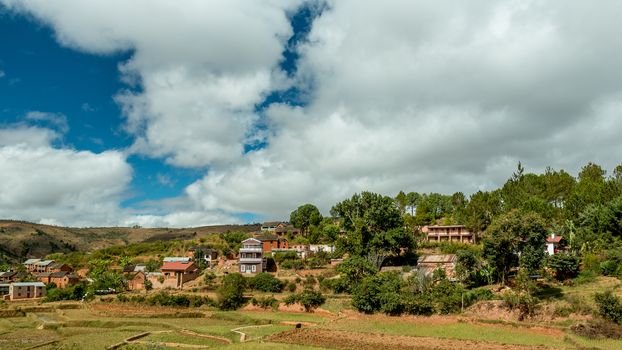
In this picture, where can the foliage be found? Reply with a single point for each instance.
(165, 299)
(309, 299)
(231, 293)
(265, 302)
(512, 235)
(353, 270)
(265, 282)
(75, 292)
(109, 280)
(609, 306)
(564, 266)
(305, 217)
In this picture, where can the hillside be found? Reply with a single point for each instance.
(19, 239)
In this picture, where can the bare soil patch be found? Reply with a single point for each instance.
(369, 341)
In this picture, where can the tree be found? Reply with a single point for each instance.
(309, 299)
(304, 217)
(231, 293)
(265, 282)
(515, 235)
(481, 210)
(374, 225)
(353, 270)
(564, 266)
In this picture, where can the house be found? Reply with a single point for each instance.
(182, 259)
(137, 281)
(26, 290)
(305, 250)
(430, 263)
(270, 242)
(281, 230)
(59, 267)
(554, 243)
(204, 253)
(43, 277)
(176, 273)
(30, 264)
(134, 268)
(448, 233)
(12, 276)
(251, 258)
(62, 279)
(4, 289)
(271, 226)
(7, 276)
(43, 266)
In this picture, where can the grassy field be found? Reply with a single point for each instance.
(100, 325)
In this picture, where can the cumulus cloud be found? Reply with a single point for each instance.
(202, 66)
(443, 97)
(401, 94)
(55, 120)
(46, 184)
(2, 73)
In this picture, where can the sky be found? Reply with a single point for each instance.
(176, 114)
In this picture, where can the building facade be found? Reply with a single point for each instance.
(26, 290)
(251, 258)
(448, 233)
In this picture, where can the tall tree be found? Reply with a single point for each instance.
(515, 239)
(304, 217)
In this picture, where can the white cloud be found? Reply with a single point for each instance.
(434, 97)
(406, 95)
(2, 74)
(56, 120)
(42, 183)
(202, 66)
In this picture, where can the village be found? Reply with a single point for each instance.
(31, 279)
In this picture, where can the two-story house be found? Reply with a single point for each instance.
(251, 258)
(448, 233)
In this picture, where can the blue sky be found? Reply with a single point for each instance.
(41, 75)
(230, 111)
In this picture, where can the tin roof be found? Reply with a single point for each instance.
(26, 284)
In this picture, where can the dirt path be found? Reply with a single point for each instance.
(195, 334)
(371, 341)
(243, 335)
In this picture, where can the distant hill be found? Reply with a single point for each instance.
(20, 239)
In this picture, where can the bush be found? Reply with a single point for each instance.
(526, 304)
(291, 286)
(265, 302)
(231, 293)
(584, 277)
(292, 264)
(265, 282)
(609, 306)
(309, 299)
(598, 329)
(165, 299)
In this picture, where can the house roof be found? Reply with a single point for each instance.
(268, 238)
(437, 259)
(31, 261)
(271, 223)
(42, 274)
(129, 268)
(59, 274)
(251, 240)
(8, 274)
(178, 266)
(446, 226)
(555, 239)
(31, 284)
(57, 265)
(177, 259)
(44, 262)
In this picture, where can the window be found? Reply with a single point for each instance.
(243, 268)
(254, 268)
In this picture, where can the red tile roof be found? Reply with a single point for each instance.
(178, 266)
(555, 239)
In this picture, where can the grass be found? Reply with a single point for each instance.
(174, 337)
(264, 331)
(463, 331)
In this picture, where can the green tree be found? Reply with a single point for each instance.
(512, 235)
(304, 217)
(564, 266)
(231, 293)
(353, 270)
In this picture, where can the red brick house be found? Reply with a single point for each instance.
(179, 271)
(137, 281)
(270, 242)
(62, 279)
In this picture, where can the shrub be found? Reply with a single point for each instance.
(291, 286)
(292, 264)
(265, 302)
(584, 277)
(609, 306)
(309, 299)
(231, 293)
(598, 329)
(265, 282)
